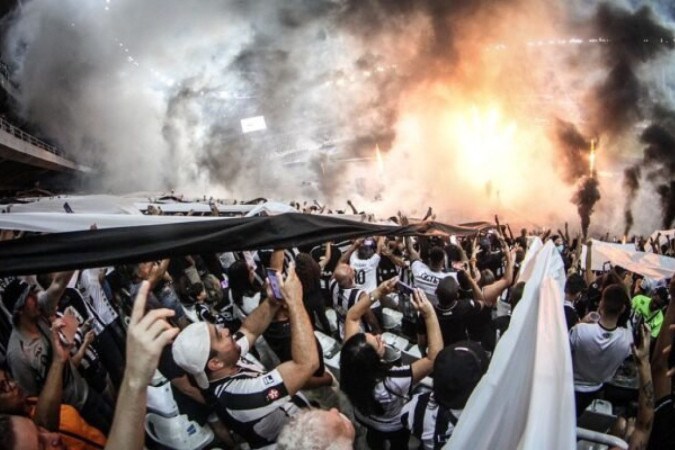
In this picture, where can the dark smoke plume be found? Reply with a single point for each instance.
(585, 198)
(667, 196)
(633, 38)
(573, 149)
(631, 185)
(659, 157)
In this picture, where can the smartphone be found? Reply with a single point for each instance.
(405, 288)
(637, 329)
(671, 356)
(273, 278)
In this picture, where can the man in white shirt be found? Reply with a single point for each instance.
(426, 277)
(598, 349)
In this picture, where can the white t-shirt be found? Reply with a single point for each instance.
(366, 271)
(392, 394)
(427, 279)
(597, 353)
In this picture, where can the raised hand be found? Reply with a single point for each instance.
(147, 335)
(421, 303)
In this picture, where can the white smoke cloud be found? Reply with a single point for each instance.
(151, 93)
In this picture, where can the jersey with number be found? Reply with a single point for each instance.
(366, 271)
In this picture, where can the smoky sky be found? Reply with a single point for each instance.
(153, 92)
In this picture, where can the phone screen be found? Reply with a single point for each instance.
(405, 288)
(637, 330)
(273, 278)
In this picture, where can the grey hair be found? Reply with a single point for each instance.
(307, 431)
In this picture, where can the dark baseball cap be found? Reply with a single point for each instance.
(457, 370)
(15, 294)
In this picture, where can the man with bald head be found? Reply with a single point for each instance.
(345, 294)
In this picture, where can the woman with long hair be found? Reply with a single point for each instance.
(309, 273)
(377, 390)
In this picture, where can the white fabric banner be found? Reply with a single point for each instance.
(526, 398)
(64, 222)
(647, 264)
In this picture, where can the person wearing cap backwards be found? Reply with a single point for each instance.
(432, 416)
(253, 403)
(29, 352)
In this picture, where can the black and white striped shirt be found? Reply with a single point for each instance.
(254, 403)
(392, 393)
(428, 421)
(343, 299)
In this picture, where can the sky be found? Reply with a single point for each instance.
(474, 108)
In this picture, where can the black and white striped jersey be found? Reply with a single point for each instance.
(428, 421)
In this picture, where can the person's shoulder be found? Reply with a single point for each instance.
(417, 264)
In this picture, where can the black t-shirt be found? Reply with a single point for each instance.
(386, 270)
(480, 329)
(453, 320)
(663, 431)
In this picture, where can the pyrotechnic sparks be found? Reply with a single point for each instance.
(591, 159)
(458, 99)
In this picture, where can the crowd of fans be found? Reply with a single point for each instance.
(239, 341)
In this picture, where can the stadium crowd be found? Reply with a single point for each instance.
(300, 348)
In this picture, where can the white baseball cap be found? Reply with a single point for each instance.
(191, 350)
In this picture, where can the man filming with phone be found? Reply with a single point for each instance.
(254, 403)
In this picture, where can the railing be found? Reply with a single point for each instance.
(19, 133)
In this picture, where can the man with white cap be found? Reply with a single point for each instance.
(253, 403)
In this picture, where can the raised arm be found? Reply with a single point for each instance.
(325, 259)
(645, 416)
(146, 337)
(277, 260)
(352, 248)
(380, 245)
(158, 272)
(476, 291)
(48, 408)
(412, 253)
(304, 353)
(260, 318)
(55, 291)
(662, 382)
(423, 366)
(362, 306)
(492, 292)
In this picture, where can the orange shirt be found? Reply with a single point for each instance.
(75, 432)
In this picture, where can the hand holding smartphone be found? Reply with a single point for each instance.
(275, 285)
(405, 288)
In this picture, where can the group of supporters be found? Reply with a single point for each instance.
(235, 336)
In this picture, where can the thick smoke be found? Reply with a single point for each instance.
(478, 107)
(659, 160)
(573, 150)
(631, 185)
